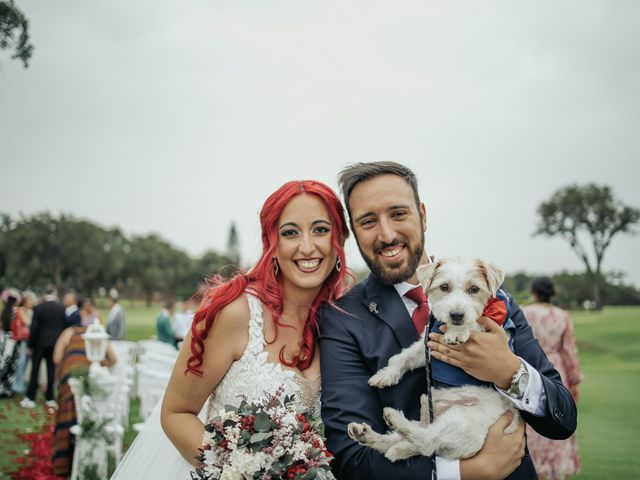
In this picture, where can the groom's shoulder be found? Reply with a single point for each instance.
(354, 296)
(346, 306)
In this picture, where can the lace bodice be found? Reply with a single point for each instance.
(252, 377)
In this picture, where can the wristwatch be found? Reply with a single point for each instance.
(519, 382)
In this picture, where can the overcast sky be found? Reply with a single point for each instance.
(181, 117)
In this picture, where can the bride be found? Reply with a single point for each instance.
(254, 334)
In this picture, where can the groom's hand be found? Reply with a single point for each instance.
(500, 455)
(485, 356)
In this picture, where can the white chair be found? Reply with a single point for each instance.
(155, 346)
(151, 385)
(103, 406)
(88, 452)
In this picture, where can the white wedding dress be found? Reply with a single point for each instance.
(152, 455)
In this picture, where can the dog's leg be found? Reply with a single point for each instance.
(419, 436)
(408, 359)
(363, 433)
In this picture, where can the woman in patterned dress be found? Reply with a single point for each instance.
(70, 358)
(552, 326)
(9, 352)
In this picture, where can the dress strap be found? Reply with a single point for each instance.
(256, 324)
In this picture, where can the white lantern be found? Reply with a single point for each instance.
(96, 341)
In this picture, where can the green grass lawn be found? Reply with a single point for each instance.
(608, 427)
(608, 424)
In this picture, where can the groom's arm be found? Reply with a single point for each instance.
(346, 398)
(559, 419)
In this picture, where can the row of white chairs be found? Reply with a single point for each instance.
(142, 370)
(154, 366)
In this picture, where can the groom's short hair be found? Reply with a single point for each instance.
(353, 174)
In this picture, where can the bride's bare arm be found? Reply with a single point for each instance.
(187, 393)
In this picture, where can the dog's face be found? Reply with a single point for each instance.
(459, 289)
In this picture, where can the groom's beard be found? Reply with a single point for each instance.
(395, 273)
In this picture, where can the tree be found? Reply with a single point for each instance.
(12, 21)
(587, 215)
(156, 266)
(233, 245)
(65, 251)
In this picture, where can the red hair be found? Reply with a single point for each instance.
(262, 281)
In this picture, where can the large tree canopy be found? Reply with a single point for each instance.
(587, 217)
(14, 32)
(73, 253)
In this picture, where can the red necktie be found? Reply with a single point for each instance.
(421, 313)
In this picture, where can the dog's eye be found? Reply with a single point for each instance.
(472, 290)
(444, 287)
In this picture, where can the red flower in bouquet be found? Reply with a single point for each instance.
(294, 470)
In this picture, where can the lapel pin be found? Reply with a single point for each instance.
(373, 307)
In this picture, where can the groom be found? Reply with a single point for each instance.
(374, 322)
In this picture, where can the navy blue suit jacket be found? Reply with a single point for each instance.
(359, 340)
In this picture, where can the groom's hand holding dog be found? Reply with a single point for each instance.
(500, 455)
(485, 356)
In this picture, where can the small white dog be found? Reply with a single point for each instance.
(459, 291)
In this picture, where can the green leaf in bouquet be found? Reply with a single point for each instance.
(314, 452)
(262, 423)
(279, 466)
(311, 474)
(230, 408)
(245, 409)
(260, 437)
(209, 428)
(229, 423)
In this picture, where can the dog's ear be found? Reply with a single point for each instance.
(426, 273)
(494, 275)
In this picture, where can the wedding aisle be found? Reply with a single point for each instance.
(25, 441)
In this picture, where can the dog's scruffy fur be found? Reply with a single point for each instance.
(459, 291)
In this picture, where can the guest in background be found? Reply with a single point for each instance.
(48, 322)
(70, 358)
(70, 303)
(163, 324)
(182, 319)
(88, 312)
(552, 326)
(25, 312)
(8, 343)
(116, 318)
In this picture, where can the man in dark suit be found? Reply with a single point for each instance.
(374, 321)
(48, 322)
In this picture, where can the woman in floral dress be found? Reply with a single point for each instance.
(552, 326)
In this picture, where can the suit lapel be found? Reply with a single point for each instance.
(384, 303)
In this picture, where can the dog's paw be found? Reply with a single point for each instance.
(392, 417)
(456, 338)
(384, 377)
(359, 431)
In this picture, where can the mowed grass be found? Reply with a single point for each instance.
(608, 424)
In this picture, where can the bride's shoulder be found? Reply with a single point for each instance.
(231, 325)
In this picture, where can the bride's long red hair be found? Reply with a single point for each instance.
(263, 282)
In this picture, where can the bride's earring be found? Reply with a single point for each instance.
(338, 264)
(276, 268)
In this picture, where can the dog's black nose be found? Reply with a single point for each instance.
(456, 318)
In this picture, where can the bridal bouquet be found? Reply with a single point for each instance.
(266, 441)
